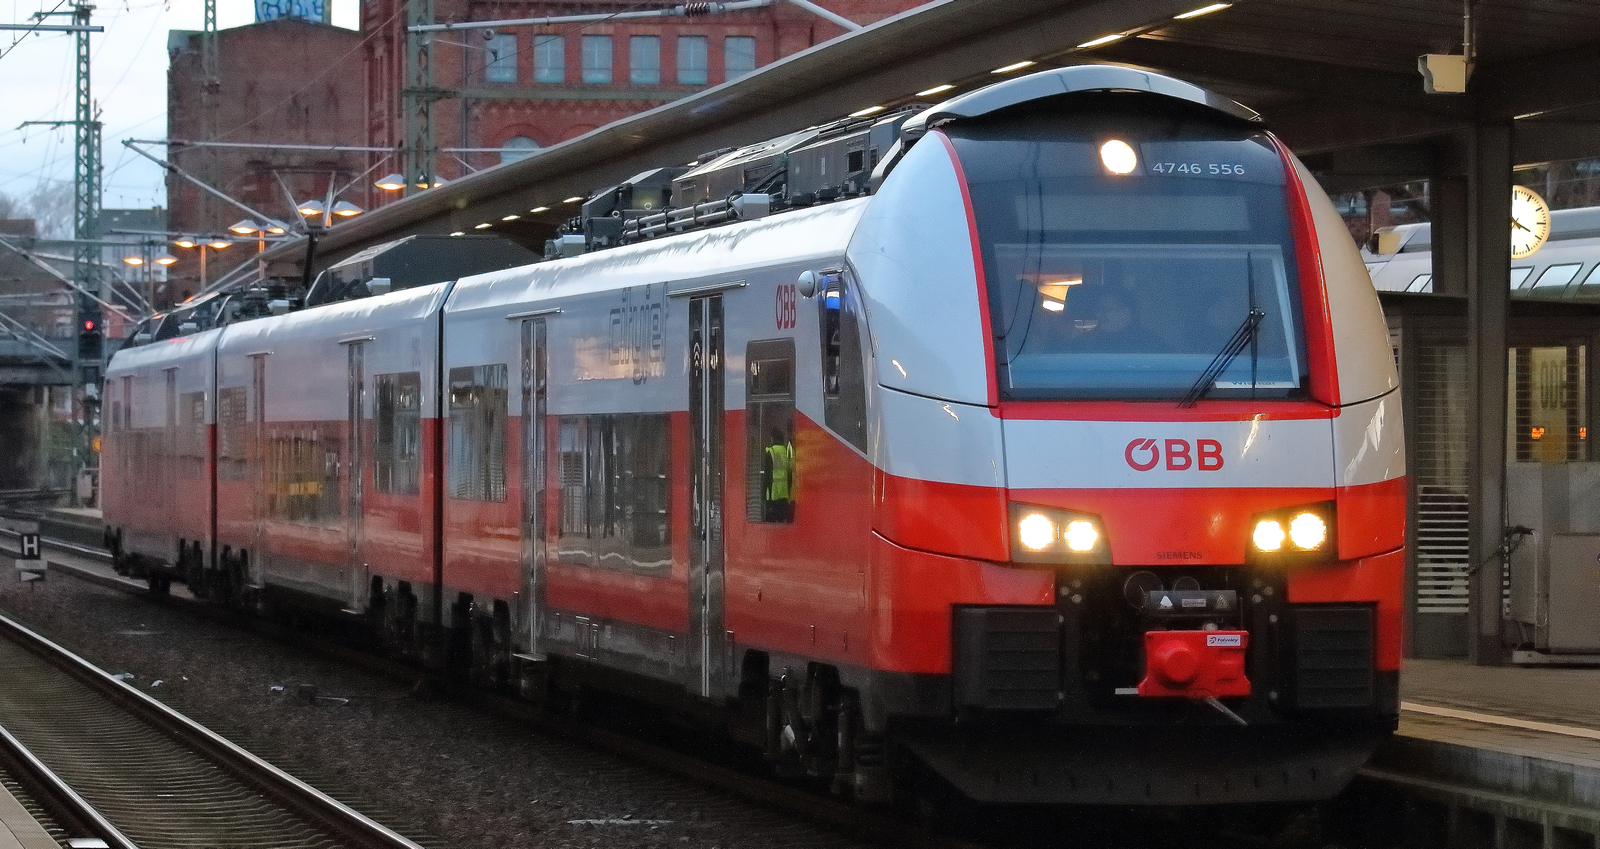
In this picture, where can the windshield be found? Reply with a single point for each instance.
(1130, 285)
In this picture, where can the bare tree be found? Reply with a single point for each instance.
(51, 206)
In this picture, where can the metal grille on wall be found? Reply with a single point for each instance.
(1439, 471)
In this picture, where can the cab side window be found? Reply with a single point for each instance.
(770, 483)
(844, 390)
(476, 435)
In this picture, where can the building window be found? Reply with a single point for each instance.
(501, 58)
(738, 56)
(770, 485)
(549, 59)
(692, 59)
(517, 147)
(397, 469)
(644, 59)
(597, 58)
(615, 492)
(477, 435)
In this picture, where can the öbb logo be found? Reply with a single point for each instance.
(1205, 455)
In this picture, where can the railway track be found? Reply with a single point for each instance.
(144, 775)
(870, 825)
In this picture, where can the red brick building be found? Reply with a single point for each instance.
(286, 83)
(502, 93)
(525, 87)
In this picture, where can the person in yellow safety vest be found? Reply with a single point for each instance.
(780, 479)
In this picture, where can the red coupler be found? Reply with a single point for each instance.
(1195, 664)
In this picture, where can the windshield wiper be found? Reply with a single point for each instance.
(1241, 337)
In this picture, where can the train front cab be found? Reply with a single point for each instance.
(1139, 498)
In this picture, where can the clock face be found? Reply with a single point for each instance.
(1530, 222)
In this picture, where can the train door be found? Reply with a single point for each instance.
(355, 466)
(255, 569)
(534, 389)
(706, 387)
(167, 465)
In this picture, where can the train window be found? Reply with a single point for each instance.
(615, 492)
(1519, 276)
(303, 469)
(192, 434)
(770, 483)
(476, 450)
(844, 391)
(232, 456)
(1129, 285)
(1591, 283)
(1422, 283)
(1557, 276)
(397, 455)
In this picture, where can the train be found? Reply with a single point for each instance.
(1564, 268)
(1042, 445)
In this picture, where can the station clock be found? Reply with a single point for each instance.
(1530, 222)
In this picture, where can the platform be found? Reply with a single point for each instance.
(1495, 756)
(18, 828)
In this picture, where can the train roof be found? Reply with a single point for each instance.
(1071, 80)
(816, 233)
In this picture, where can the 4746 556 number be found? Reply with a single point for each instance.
(1220, 169)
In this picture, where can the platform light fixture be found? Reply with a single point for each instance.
(538, 209)
(346, 209)
(246, 227)
(1104, 39)
(573, 199)
(484, 226)
(1014, 66)
(218, 244)
(312, 209)
(938, 89)
(185, 241)
(512, 217)
(870, 110)
(459, 233)
(164, 259)
(134, 260)
(1203, 10)
(391, 182)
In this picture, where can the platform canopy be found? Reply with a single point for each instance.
(1337, 79)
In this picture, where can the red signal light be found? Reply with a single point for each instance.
(88, 325)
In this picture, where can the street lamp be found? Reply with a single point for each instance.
(319, 217)
(215, 243)
(391, 182)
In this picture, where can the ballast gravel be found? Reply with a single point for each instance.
(441, 773)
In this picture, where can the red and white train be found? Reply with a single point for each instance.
(1066, 465)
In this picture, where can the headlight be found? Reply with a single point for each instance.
(1053, 535)
(1268, 535)
(1036, 532)
(1298, 534)
(1307, 531)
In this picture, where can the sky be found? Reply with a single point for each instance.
(128, 79)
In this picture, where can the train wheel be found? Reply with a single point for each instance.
(194, 570)
(482, 662)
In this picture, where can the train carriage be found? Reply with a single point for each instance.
(158, 461)
(1063, 465)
